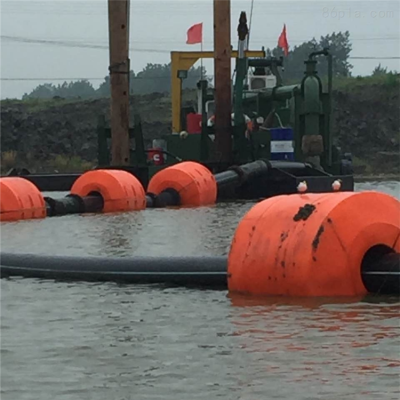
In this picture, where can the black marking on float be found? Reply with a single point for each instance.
(317, 238)
(304, 212)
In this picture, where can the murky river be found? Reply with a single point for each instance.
(73, 341)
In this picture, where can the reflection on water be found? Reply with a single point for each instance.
(73, 341)
(105, 341)
(347, 349)
(205, 230)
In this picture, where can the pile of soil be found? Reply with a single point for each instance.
(366, 122)
(69, 128)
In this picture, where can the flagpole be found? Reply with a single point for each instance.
(201, 59)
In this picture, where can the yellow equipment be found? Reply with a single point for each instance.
(181, 62)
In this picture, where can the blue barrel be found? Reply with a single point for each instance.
(282, 145)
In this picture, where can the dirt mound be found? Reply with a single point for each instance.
(43, 130)
(366, 122)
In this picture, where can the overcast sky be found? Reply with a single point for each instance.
(157, 27)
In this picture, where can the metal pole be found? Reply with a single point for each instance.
(118, 19)
(222, 74)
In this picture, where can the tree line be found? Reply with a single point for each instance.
(157, 77)
(153, 78)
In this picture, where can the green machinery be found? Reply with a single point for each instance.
(285, 127)
(303, 109)
(288, 127)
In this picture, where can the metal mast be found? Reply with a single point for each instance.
(118, 21)
(222, 76)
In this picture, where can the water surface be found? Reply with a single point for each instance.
(73, 341)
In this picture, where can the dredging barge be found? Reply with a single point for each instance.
(287, 127)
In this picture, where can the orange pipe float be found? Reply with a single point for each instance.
(20, 199)
(194, 183)
(312, 244)
(120, 190)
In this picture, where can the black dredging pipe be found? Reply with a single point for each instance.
(168, 197)
(73, 204)
(234, 176)
(237, 175)
(204, 272)
(381, 273)
(185, 271)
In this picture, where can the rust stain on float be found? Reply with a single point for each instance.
(284, 236)
(304, 212)
(315, 242)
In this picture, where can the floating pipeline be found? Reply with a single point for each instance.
(331, 244)
(187, 184)
(191, 184)
(74, 204)
(286, 172)
(308, 245)
(184, 184)
(200, 272)
(95, 191)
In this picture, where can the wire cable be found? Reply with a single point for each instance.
(251, 18)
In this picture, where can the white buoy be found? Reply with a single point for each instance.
(183, 135)
(336, 185)
(302, 187)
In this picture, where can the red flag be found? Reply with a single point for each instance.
(282, 41)
(195, 34)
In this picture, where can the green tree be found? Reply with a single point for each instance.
(44, 91)
(379, 70)
(81, 89)
(104, 88)
(340, 47)
(338, 44)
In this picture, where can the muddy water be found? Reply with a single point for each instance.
(107, 341)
